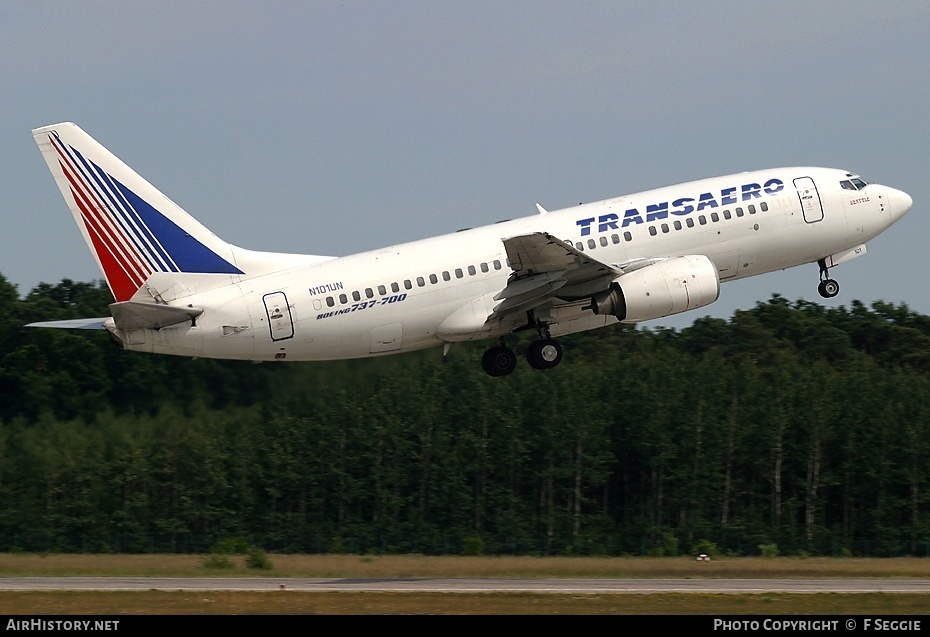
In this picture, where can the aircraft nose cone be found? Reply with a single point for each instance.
(901, 202)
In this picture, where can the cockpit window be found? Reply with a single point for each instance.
(853, 184)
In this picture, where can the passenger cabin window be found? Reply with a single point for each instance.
(408, 285)
(628, 236)
(421, 281)
(382, 290)
(458, 273)
(433, 279)
(395, 287)
(369, 293)
(356, 296)
(497, 264)
(472, 271)
(446, 276)
(591, 244)
(484, 267)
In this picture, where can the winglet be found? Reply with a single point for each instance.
(541, 210)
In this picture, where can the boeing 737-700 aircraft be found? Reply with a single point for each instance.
(180, 289)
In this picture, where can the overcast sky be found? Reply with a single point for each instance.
(337, 127)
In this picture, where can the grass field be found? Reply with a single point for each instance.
(22, 564)
(354, 566)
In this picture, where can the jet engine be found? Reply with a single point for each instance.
(663, 288)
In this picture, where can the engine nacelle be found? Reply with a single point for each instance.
(661, 289)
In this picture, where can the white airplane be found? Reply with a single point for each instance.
(180, 289)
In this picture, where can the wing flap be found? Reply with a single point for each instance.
(528, 300)
(528, 285)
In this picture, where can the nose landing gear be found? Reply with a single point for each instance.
(827, 288)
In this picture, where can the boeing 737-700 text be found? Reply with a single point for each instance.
(180, 289)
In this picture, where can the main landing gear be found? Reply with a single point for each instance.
(500, 360)
(544, 353)
(828, 288)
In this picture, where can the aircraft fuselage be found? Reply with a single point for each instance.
(395, 299)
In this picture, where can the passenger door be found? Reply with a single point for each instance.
(811, 206)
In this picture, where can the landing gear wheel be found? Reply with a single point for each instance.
(828, 288)
(544, 354)
(499, 361)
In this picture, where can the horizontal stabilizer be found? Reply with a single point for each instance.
(74, 324)
(134, 315)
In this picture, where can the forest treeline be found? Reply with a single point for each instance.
(788, 428)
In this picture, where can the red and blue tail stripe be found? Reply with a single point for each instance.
(130, 237)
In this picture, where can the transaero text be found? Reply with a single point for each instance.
(682, 206)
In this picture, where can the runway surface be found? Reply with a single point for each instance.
(468, 585)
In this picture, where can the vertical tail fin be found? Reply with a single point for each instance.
(132, 229)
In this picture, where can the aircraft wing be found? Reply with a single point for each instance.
(546, 268)
(532, 254)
